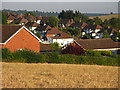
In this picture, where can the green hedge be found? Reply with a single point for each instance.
(91, 57)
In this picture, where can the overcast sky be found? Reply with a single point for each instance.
(85, 7)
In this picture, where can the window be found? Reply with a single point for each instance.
(20, 50)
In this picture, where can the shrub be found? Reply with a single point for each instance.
(6, 54)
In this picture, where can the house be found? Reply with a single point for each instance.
(98, 44)
(17, 38)
(20, 21)
(44, 20)
(80, 25)
(42, 30)
(55, 35)
(92, 30)
(31, 18)
(10, 18)
(38, 19)
(45, 48)
(32, 26)
(65, 22)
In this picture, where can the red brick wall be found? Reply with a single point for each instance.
(22, 40)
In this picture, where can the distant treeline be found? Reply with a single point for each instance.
(36, 12)
(48, 13)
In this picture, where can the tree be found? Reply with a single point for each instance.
(97, 20)
(86, 37)
(38, 35)
(53, 21)
(31, 13)
(106, 34)
(74, 49)
(4, 18)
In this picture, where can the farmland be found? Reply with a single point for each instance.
(103, 17)
(23, 75)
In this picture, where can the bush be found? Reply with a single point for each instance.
(6, 54)
(91, 57)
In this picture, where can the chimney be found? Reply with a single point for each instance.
(8, 13)
(108, 27)
(71, 20)
(28, 13)
(46, 15)
(93, 23)
(80, 21)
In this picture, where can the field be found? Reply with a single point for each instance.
(23, 75)
(105, 17)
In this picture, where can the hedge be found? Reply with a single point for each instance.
(91, 57)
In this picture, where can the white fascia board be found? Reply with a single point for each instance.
(32, 34)
(26, 30)
(108, 49)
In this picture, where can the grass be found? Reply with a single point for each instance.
(24, 75)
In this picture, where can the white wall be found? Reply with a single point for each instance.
(113, 50)
(63, 42)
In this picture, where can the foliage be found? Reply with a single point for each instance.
(97, 20)
(6, 54)
(91, 57)
(55, 46)
(76, 50)
(69, 14)
(53, 21)
(31, 13)
(86, 37)
(38, 35)
(106, 34)
(4, 18)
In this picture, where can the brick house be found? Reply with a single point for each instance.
(17, 37)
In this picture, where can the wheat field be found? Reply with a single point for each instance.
(103, 17)
(23, 75)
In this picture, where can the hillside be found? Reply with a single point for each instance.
(105, 16)
(20, 75)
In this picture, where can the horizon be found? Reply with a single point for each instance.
(83, 7)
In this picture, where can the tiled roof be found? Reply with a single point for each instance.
(31, 24)
(8, 31)
(43, 28)
(54, 31)
(106, 43)
(78, 24)
(10, 17)
(93, 27)
(63, 35)
(45, 47)
(20, 20)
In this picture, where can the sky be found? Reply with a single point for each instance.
(93, 6)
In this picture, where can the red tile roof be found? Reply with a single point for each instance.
(54, 31)
(63, 35)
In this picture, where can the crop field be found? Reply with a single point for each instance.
(106, 16)
(24, 75)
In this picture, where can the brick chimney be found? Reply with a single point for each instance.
(46, 15)
(71, 20)
(93, 23)
(80, 21)
(28, 13)
(108, 27)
